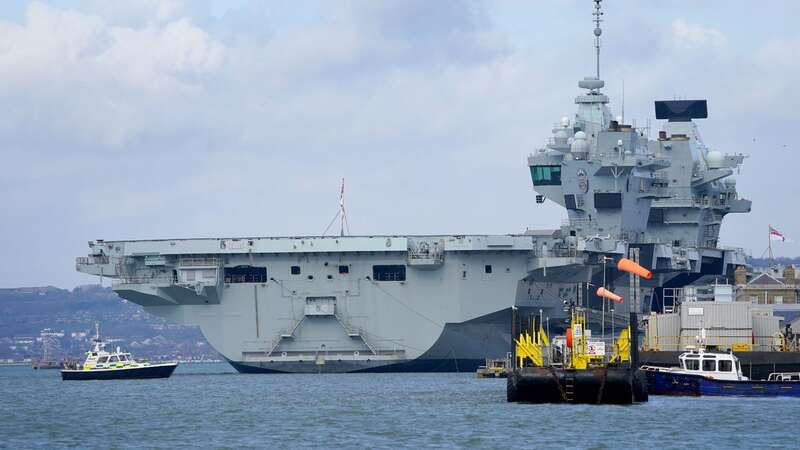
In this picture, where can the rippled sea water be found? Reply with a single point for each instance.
(211, 406)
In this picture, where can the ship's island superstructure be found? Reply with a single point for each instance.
(443, 302)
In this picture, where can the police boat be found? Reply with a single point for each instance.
(101, 364)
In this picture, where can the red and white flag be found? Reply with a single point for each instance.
(776, 235)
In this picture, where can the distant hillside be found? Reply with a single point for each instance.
(765, 262)
(25, 312)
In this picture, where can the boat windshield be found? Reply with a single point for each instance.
(102, 359)
(692, 363)
(114, 358)
(725, 365)
(709, 365)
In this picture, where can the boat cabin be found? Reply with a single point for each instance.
(720, 366)
(100, 358)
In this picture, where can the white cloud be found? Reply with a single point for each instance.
(83, 81)
(696, 36)
(145, 12)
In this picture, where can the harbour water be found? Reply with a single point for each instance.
(211, 406)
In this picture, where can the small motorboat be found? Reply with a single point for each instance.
(494, 368)
(702, 372)
(46, 364)
(116, 365)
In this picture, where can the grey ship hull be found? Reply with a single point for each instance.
(450, 310)
(321, 304)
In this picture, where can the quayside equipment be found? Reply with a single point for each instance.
(576, 368)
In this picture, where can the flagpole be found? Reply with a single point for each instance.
(341, 208)
(769, 238)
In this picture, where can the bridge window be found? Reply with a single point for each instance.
(389, 273)
(692, 364)
(725, 366)
(710, 365)
(245, 274)
(608, 200)
(546, 175)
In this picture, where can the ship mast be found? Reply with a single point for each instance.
(597, 32)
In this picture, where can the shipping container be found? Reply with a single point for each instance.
(710, 315)
(663, 331)
(767, 333)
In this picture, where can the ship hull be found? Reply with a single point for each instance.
(353, 304)
(47, 365)
(154, 371)
(676, 384)
(444, 317)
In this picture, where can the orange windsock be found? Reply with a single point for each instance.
(605, 293)
(626, 265)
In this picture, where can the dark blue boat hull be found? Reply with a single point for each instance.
(158, 371)
(665, 383)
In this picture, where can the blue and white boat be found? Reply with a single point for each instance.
(101, 364)
(703, 372)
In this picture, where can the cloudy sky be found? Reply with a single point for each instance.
(177, 118)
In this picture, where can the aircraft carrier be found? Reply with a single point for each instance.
(444, 302)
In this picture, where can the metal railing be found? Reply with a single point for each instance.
(198, 262)
(89, 260)
(681, 200)
(600, 350)
(326, 354)
(660, 191)
(145, 279)
(575, 222)
(556, 252)
(723, 342)
(755, 288)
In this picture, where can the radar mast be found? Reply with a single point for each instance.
(597, 32)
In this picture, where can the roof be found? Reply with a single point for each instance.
(765, 278)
